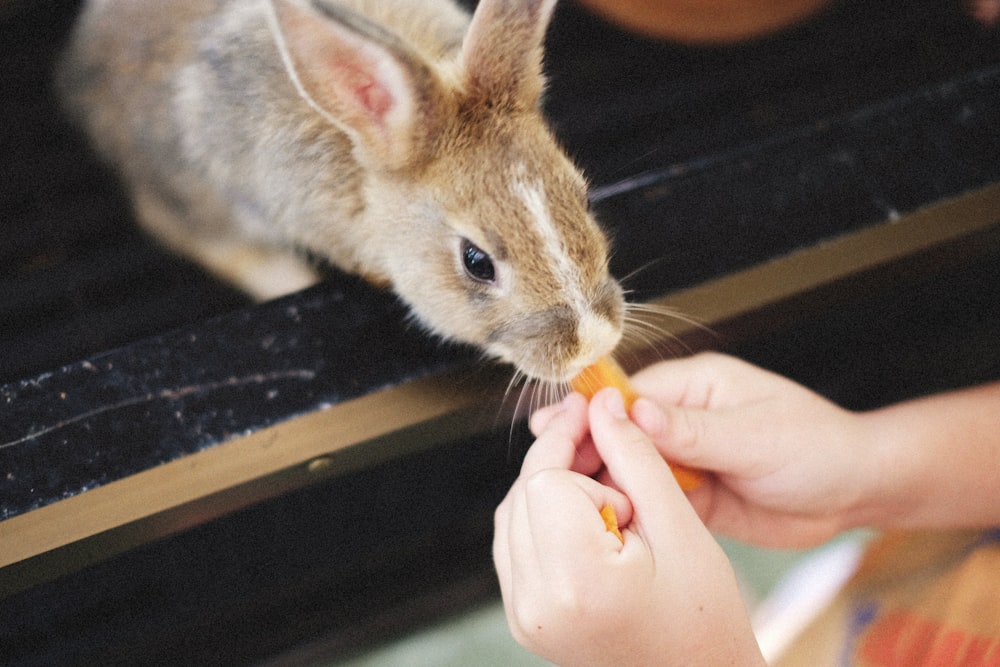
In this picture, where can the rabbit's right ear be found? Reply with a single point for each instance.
(358, 75)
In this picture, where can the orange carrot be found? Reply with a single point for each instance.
(611, 521)
(606, 372)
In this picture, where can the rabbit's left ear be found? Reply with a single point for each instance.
(361, 77)
(502, 51)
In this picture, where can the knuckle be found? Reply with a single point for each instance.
(502, 513)
(541, 482)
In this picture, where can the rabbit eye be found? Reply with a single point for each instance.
(477, 263)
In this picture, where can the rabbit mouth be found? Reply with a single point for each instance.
(555, 347)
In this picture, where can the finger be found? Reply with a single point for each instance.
(588, 462)
(565, 522)
(682, 381)
(721, 441)
(637, 467)
(706, 380)
(548, 521)
(557, 444)
(550, 537)
(515, 558)
(677, 433)
(542, 416)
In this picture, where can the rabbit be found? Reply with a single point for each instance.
(401, 140)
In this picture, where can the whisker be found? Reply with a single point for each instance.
(525, 399)
(635, 272)
(653, 335)
(561, 390)
(666, 313)
(515, 378)
(639, 337)
(518, 378)
(625, 167)
(645, 324)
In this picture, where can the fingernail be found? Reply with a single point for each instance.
(616, 405)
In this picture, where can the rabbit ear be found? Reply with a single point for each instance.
(502, 51)
(358, 75)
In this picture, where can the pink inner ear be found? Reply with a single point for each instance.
(377, 99)
(373, 98)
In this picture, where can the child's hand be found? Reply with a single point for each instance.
(790, 469)
(572, 592)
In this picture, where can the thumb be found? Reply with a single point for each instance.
(692, 437)
(637, 468)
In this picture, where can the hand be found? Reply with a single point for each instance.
(790, 468)
(572, 592)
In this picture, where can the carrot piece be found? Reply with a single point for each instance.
(606, 372)
(687, 478)
(611, 521)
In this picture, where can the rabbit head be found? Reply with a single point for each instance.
(469, 209)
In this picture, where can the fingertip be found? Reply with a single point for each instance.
(649, 417)
(541, 418)
(610, 400)
(573, 400)
(557, 439)
(628, 452)
(611, 424)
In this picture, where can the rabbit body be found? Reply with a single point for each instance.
(400, 140)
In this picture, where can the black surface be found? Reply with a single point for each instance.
(268, 578)
(693, 221)
(703, 160)
(119, 413)
(625, 105)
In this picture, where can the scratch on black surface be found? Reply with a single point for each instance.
(166, 394)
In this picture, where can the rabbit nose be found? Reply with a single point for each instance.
(596, 337)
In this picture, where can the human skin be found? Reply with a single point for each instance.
(791, 469)
(576, 595)
(785, 468)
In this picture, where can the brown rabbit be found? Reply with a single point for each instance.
(397, 139)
